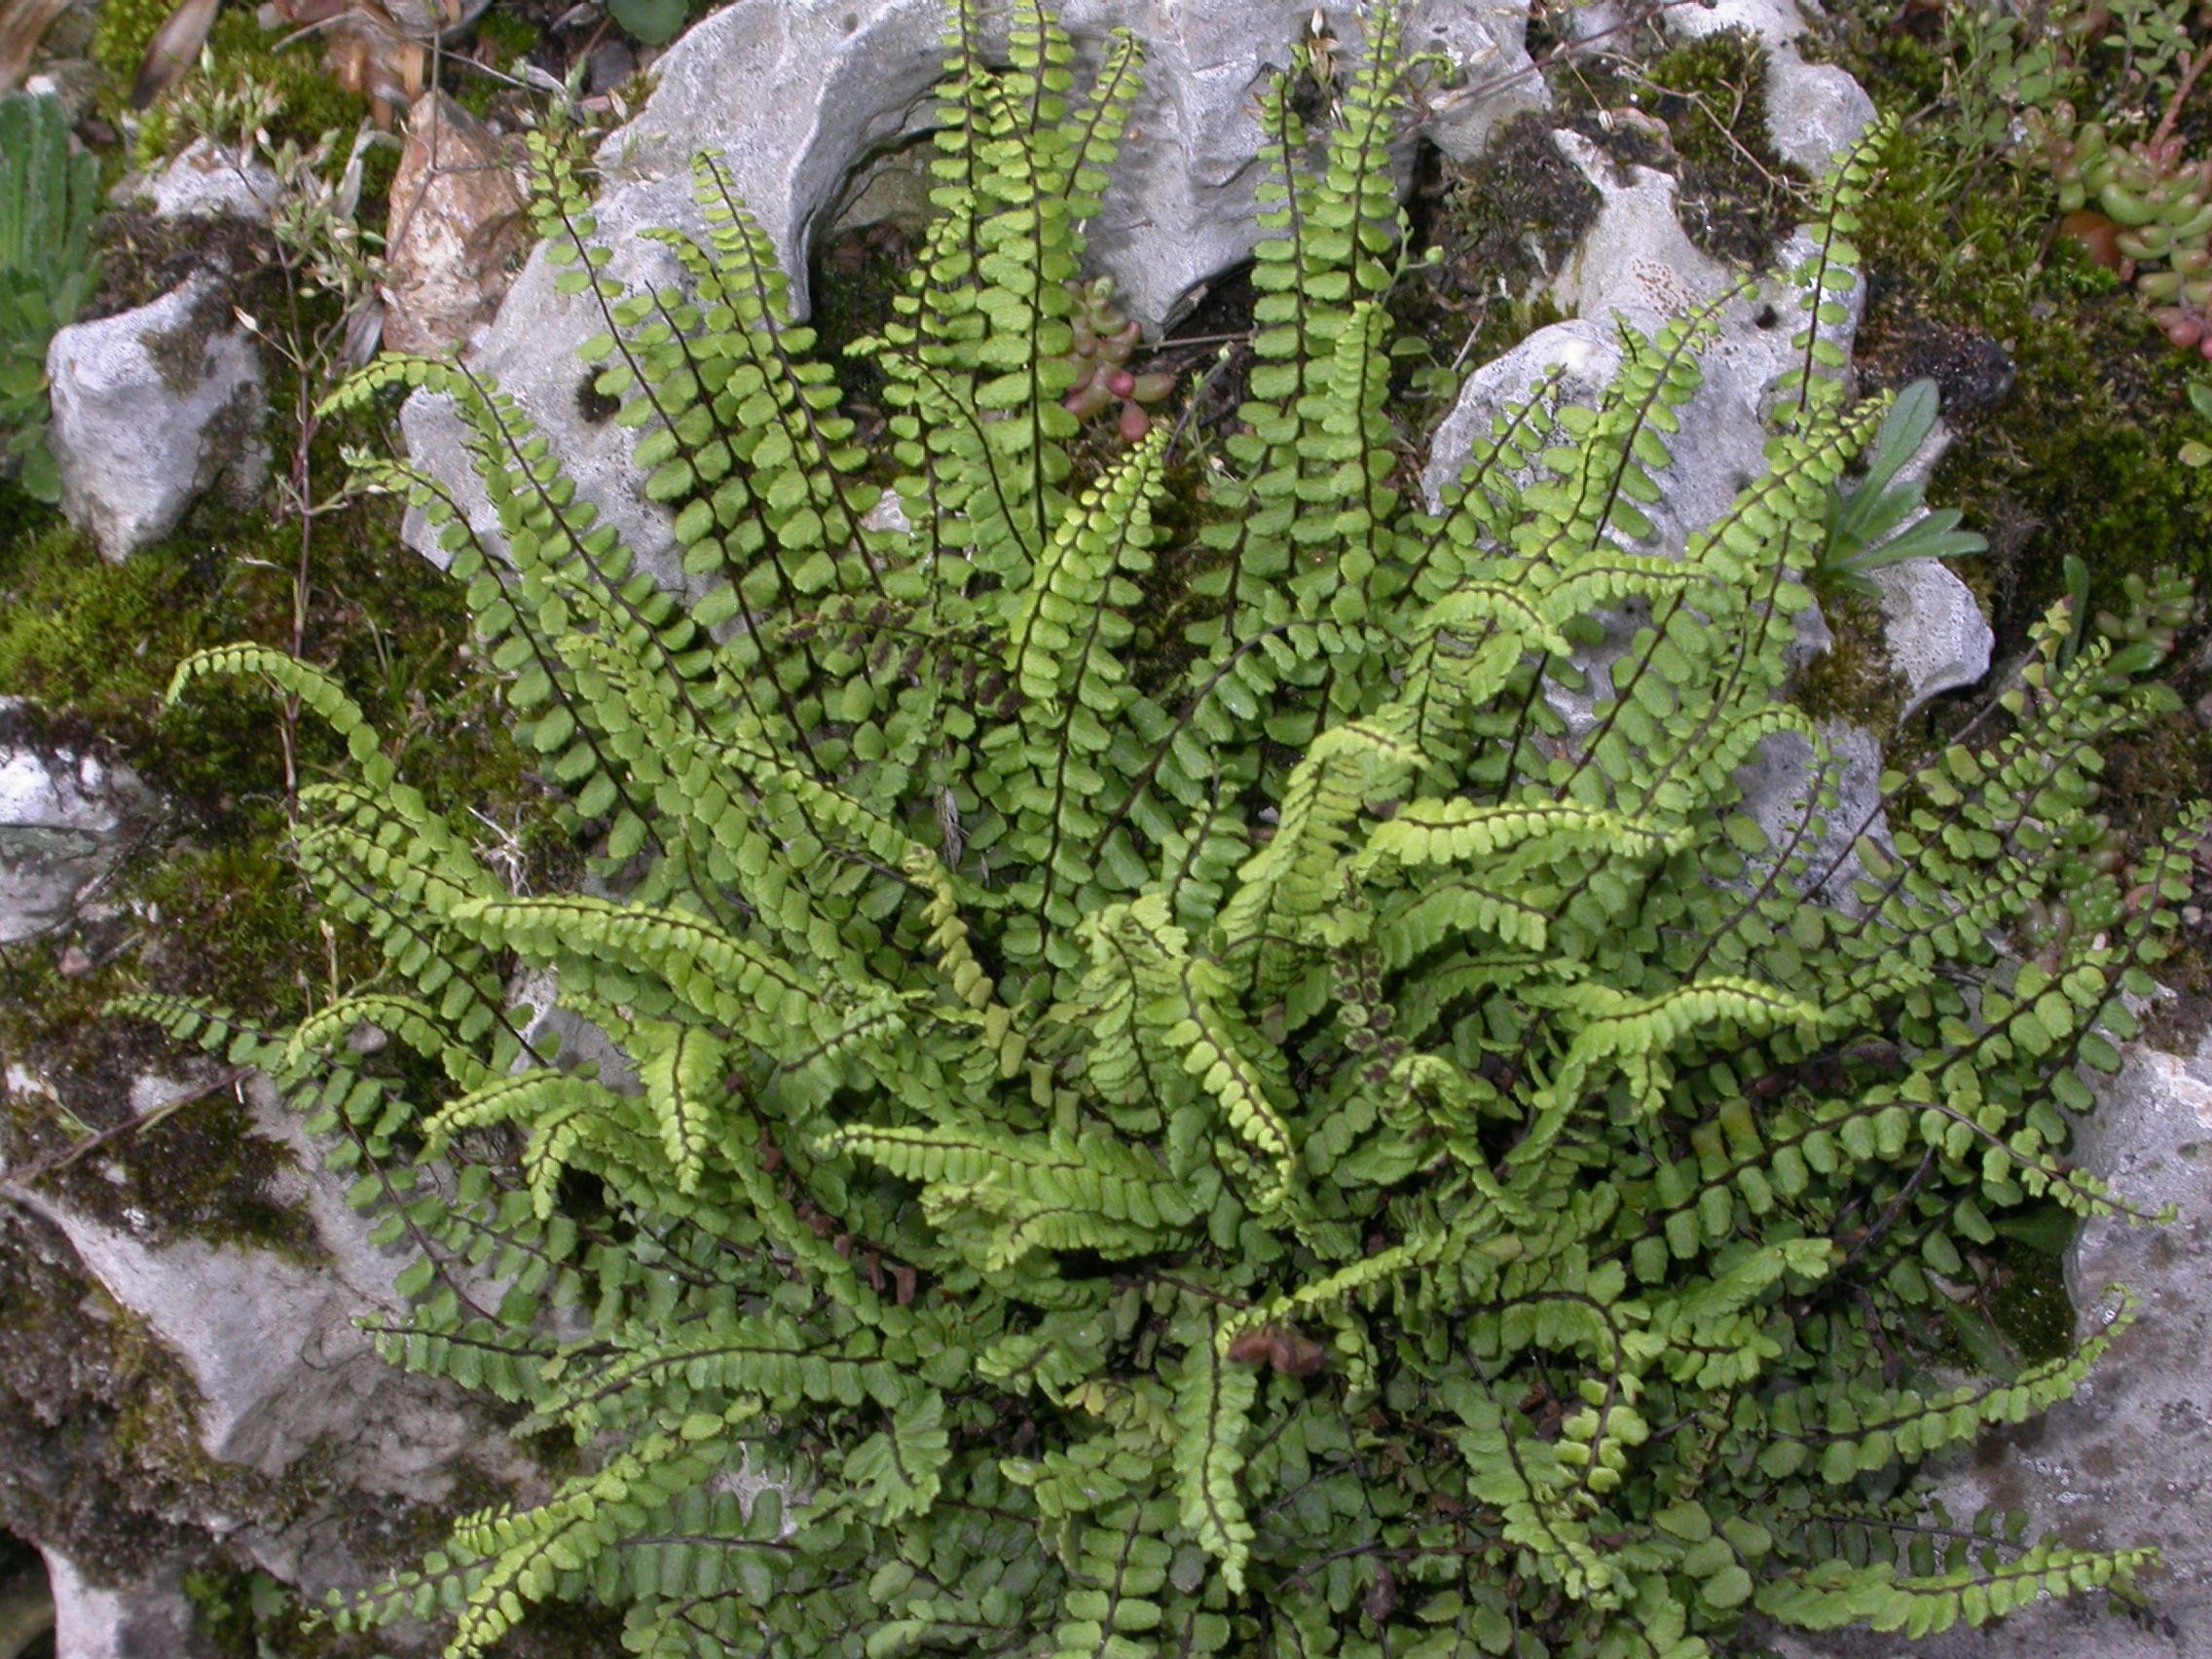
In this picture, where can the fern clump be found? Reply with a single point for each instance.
(1295, 1147)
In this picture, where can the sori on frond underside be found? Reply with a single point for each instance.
(1254, 1139)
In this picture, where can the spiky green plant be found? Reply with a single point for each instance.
(1153, 1095)
(49, 195)
(1868, 526)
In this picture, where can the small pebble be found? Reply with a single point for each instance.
(75, 964)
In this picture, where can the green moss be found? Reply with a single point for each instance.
(2078, 453)
(501, 37)
(97, 640)
(121, 36)
(313, 103)
(1853, 679)
(1738, 198)
(215, 907)
(2029, 1304)
(78, 631)
(1503, 224)
(2080, 457)
(204, 1172)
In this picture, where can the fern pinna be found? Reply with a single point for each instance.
(1161, 1090)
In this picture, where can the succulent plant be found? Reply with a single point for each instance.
(1105, 339)
(48, 195)
(2148, 203)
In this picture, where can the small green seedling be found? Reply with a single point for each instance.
(2193, 453)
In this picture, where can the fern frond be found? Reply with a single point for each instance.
(1213, 1402)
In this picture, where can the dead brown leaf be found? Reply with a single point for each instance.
(371, 54)
(173, 50)
(23, 26)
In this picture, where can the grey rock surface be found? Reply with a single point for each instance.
(2128, 1460)
(205, 180)
(149, 1617)
(1937, 638)
(306, 1449)
(153, 408)
(1585, 354)
(1491, 77)
(66, 819)
(1636, 266)
(553, 1030)
(829, 83)
(1816, 805)
(1636, 260)
(271, 1343)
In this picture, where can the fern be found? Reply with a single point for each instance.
(1125, 1151)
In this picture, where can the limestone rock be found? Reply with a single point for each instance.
(1783, 795)
(150, 1617)
(1586, 355)
(2128, 1460)
(205, 180)
(1636, 259)
(1937, 638)
(66, 819)
(152, 408)
(827, 85)
(551, 1029)
(307, 1454)
(1491, 77)
(459, 226)
(271, 1343)
(1636, 266)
